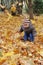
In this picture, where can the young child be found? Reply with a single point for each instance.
(29, 30)
(2, 7)
(13, 9)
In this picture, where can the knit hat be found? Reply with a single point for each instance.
(26, 23)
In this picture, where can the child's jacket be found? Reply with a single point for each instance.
(29, 29)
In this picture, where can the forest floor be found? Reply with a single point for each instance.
(13, 51)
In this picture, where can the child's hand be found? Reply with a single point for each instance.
(17, 35)
(19, 32)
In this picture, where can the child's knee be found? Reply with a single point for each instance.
(25, 37)
(31, 37)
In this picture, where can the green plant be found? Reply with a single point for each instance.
(38, 6)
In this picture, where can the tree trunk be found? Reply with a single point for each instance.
(30, 9)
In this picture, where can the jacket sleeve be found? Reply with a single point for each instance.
(21, 29)
(32, 28)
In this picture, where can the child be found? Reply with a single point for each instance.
(2, 7)
(13, 9)
(29, 31)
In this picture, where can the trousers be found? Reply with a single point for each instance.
(29, 36)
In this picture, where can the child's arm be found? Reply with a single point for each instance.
(21, 29)
(2, 6)
(32, 28)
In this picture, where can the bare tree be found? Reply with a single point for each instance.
(30, 9)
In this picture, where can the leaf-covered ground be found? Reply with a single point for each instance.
(13, 51)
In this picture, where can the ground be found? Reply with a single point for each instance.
(13, 51)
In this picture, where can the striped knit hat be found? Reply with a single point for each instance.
(26, 22)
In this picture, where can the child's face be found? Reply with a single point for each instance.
(26, 25)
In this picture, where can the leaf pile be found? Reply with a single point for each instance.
(13, 51)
